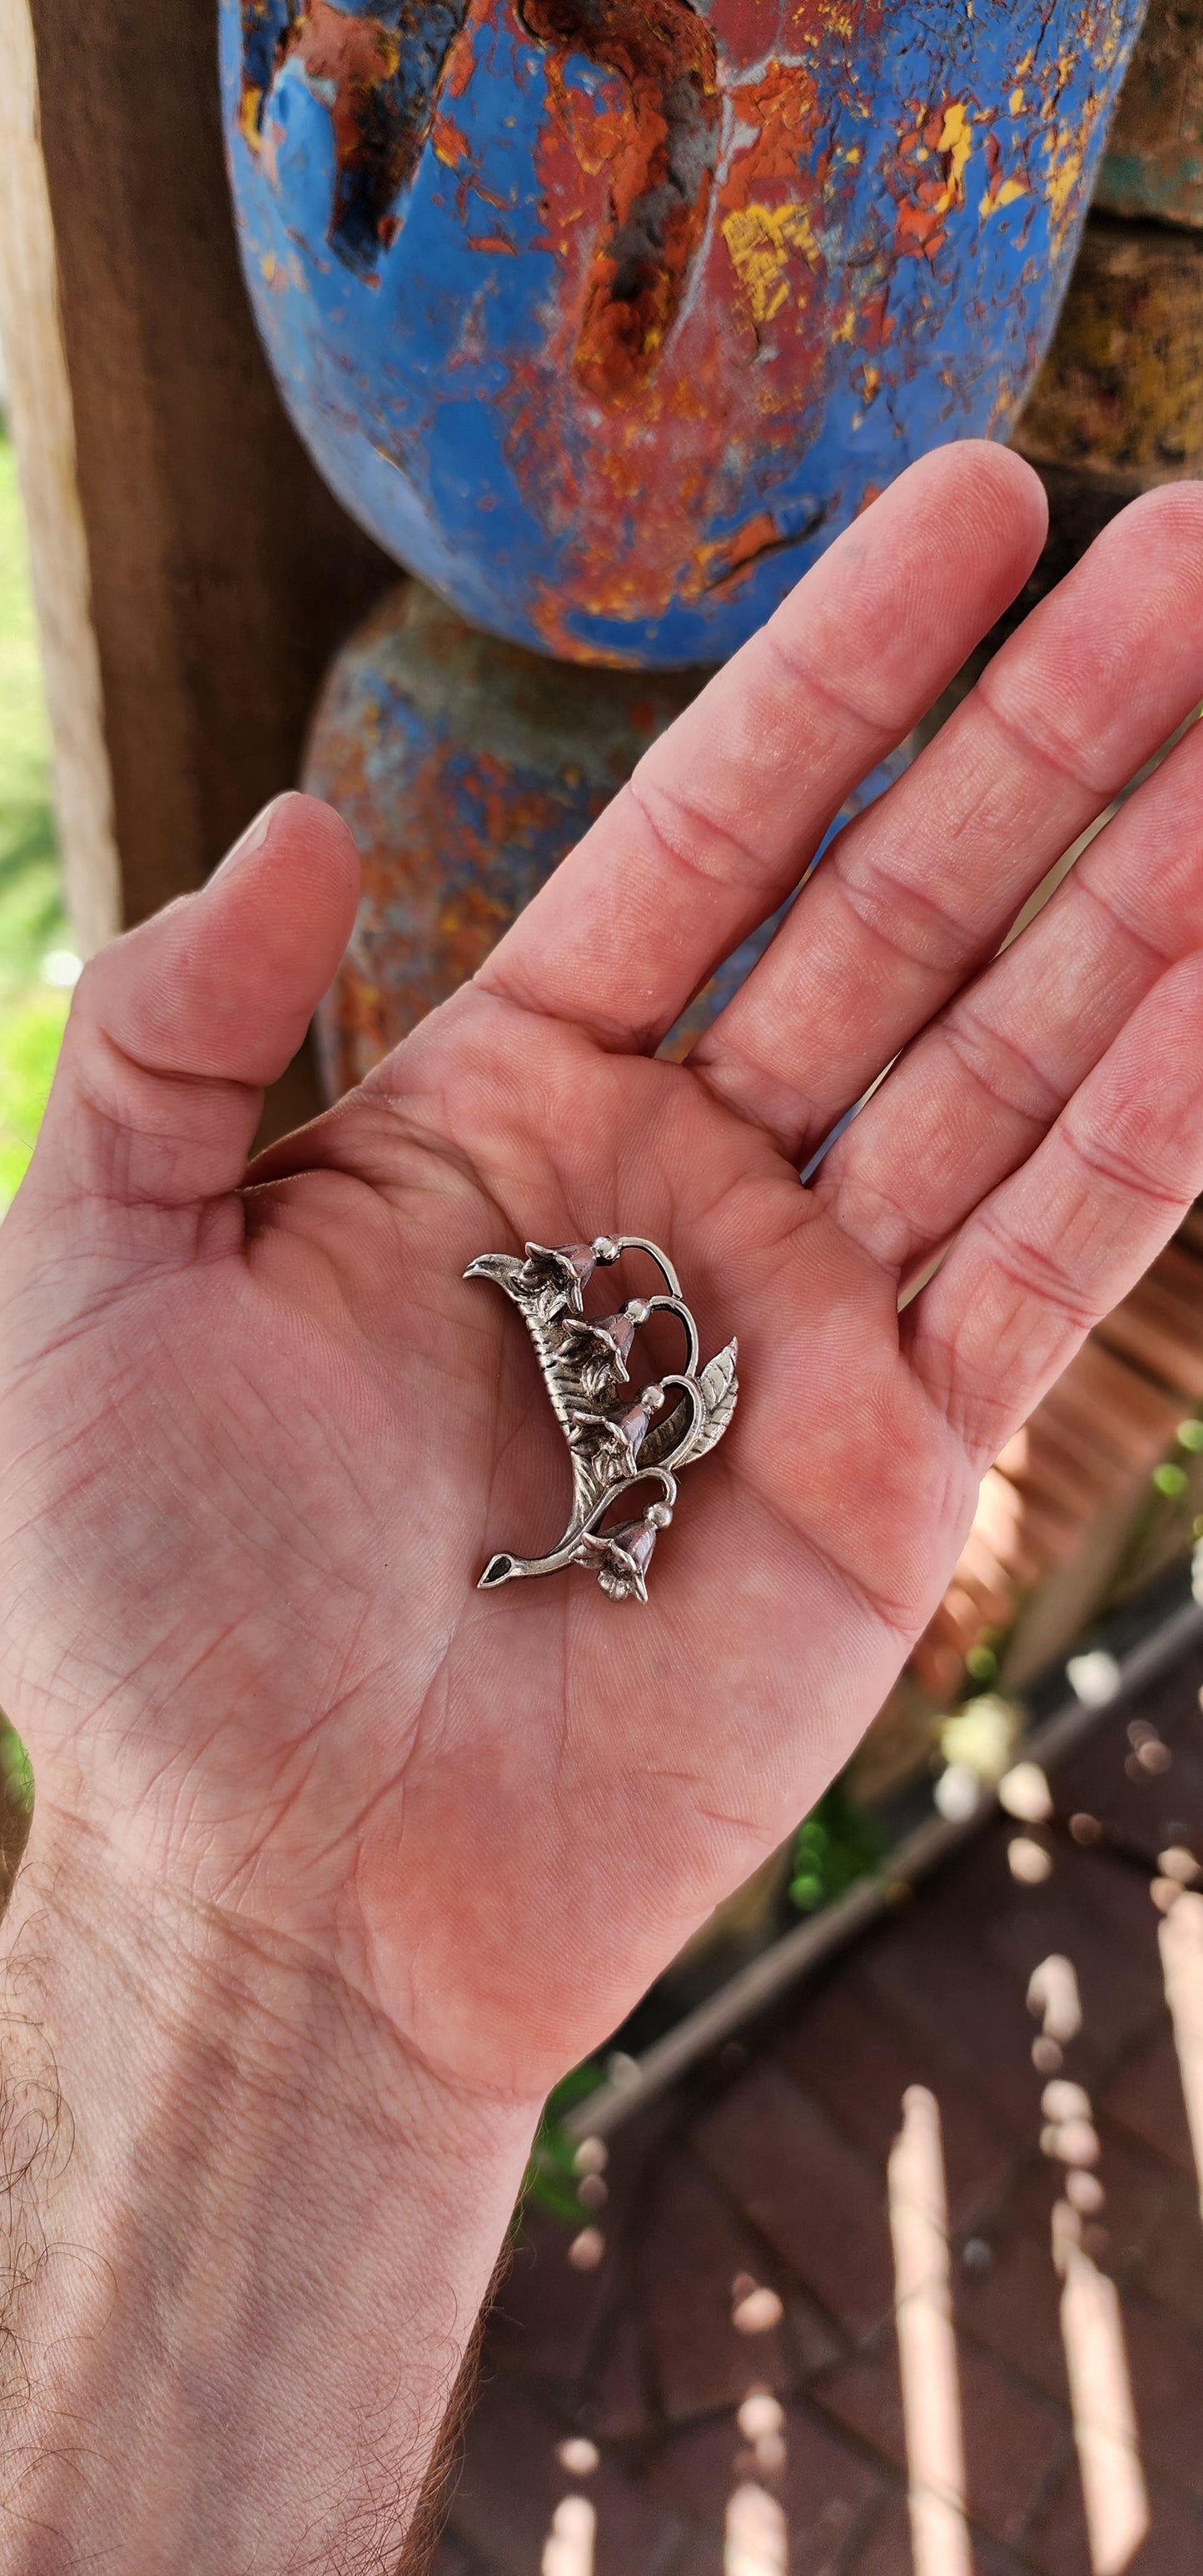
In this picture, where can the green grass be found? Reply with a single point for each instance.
(33, 1011)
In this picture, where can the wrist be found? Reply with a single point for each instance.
(262, 2231)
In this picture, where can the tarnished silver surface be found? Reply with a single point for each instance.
(614, 1439)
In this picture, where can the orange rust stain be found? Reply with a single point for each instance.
(930, 178)
(379, 121)
(451, 146)
(732, 554)
(354, 54)
(781, 109)
(659, 173)
(728, 388)
(460, 65)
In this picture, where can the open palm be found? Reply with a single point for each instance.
(261, 1434)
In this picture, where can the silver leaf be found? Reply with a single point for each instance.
(720, 1387)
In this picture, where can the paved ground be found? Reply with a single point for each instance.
(751, 2235)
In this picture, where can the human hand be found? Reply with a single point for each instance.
(261, 1435)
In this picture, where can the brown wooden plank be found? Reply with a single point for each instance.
(223, 574)
(43, 426)
(1159, 1327)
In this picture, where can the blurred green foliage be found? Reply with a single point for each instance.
(838, 1844)
(16, 1770)
(981, 1663)
(32, 922)
(551, 2176)
(31, 1033)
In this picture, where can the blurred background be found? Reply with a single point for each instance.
(38, 964)
(872, 2242)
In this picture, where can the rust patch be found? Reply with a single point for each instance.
(660, 174)
(380, 80)
(930, 187)
(736, 380)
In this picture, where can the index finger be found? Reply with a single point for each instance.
(723, 813)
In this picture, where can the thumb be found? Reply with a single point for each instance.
(176, 1028)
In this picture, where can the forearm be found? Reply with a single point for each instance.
(248, 2238)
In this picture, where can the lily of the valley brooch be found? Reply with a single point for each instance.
(613, 1439)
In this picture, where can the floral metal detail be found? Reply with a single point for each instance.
(616, 1439)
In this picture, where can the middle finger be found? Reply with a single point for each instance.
(974, 1095)
(917, 893)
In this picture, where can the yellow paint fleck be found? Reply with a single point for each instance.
(853, 154)
(1064, 149)
(1015, 102)
(1004, 195)
(268, 265)
(760, 239)
(956, 138)
(252, 102)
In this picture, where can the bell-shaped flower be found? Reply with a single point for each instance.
(593, 1351)
(622, 1557)
(552, 1278)
(611, 1441)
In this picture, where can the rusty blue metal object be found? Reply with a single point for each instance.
(605, 315)
(466, 768)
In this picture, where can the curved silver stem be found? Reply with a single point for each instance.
(676, 1305)
(677, 1457)
(510, 1569)
(639, 1243)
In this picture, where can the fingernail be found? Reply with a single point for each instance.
(255, 834)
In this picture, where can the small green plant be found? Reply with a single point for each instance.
(16, 1770)
(551, 2176)
(31, 1033)
(838, 1844)
(34, 938)
(981, 1663)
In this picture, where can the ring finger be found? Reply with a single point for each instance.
(974, 1095)
(917, 893)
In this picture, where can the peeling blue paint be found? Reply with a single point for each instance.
(605, 315)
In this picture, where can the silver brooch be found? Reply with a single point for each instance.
(614, 1439)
